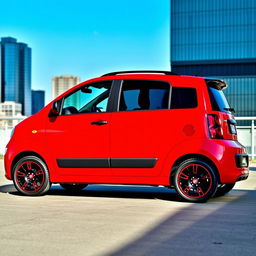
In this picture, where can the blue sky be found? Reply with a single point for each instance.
(88, 38)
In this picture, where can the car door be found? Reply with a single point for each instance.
(140, 129)
(78, 138)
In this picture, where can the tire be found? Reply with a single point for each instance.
(73, 187)
(195, 180)
(31, 176)
(224, 189)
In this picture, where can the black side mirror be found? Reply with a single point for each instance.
(55, 110)
(86, 90)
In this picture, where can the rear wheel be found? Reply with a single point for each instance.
(195, 180)
(31, 176)
(73, 187)
(224, 189)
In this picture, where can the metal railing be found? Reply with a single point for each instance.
(249, 137)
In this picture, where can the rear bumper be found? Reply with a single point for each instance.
(234, 162)
(242, 160)
(242, 177)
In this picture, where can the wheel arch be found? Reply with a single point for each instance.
(188, 156)
(23, 154)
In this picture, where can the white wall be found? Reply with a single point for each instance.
(4, 138)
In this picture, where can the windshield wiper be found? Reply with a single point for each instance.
(230, 109)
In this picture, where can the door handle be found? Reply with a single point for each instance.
(100, 122)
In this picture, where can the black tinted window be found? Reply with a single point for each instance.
(218, 100)
(183, 97)
(144, 95)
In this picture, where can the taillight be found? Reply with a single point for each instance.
(214, 125)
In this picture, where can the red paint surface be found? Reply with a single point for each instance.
(163, 134)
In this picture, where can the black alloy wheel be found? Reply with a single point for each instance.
(195, 180)
(31, 176)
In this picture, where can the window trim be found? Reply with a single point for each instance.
(152, 80)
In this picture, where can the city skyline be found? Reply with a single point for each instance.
(88, 39)
(15, 73)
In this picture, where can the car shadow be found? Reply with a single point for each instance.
(111, 191)
(125, 191)
(108, 191)
(224, 226)
(8, 189)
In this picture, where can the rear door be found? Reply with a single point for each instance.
(140, 129)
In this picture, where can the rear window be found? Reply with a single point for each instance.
(183, 97)
(218, 100)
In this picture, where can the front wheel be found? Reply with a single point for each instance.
(195, 180)
(31, 176)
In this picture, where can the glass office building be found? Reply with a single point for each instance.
(15, 73)
(217, 39)
(38, 98)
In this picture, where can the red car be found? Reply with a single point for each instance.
(131, 127)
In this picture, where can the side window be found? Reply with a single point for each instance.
(144, 95)
(183, 97)
(90, 98)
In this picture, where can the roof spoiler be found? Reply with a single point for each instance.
(217, 84)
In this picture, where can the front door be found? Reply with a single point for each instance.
(78, 138)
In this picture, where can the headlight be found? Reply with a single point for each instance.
(12, 132)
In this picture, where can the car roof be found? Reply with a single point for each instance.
(167, 76)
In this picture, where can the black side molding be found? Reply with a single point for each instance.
(133, 162)
(106, 162)
(83, 163)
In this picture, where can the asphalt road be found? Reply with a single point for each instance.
(127, 220)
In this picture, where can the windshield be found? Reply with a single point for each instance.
(218, 100)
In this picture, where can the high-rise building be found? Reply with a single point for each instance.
(217, 39)
(15, 73)
(9, 109)
(38, 97)
(61, 84)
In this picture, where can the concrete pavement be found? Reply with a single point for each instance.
(127, 220)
